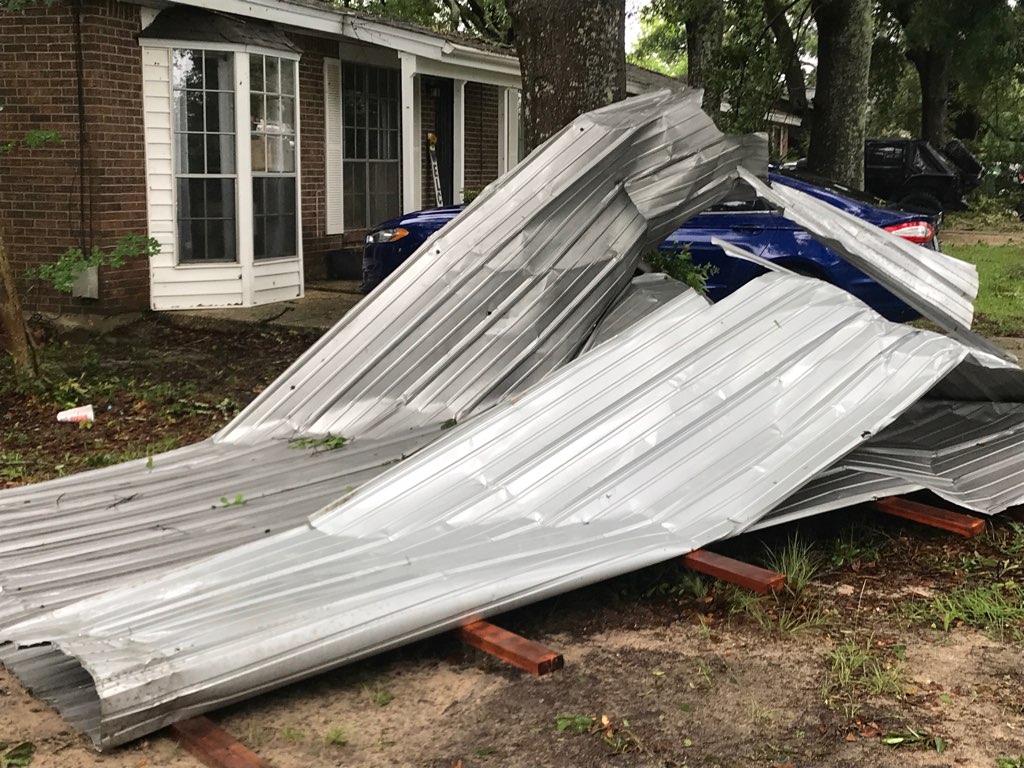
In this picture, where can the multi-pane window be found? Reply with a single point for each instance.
(272, 112)
(204, 143)
(372, 135)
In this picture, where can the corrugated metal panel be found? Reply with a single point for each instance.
(511, 289)
(509, 298)
(688, 427)
(645, 294)
(940, 287)
(71, 538)
(831, 490)
(969, 453)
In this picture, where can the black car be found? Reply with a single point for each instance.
(916, 175)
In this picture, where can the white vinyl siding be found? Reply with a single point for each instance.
(173, 286)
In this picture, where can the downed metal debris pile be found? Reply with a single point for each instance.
(602, 425)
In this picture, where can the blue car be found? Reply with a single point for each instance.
(750, 225)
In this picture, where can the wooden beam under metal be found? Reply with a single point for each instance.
(760, 580)
(507, 646)
(946, 519)
(213, 746)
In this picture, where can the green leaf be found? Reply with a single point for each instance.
(19, 756)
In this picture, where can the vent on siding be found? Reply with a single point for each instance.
(333, 203)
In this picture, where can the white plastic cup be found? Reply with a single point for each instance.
(81, 413)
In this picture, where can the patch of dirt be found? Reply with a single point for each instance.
(154, 387)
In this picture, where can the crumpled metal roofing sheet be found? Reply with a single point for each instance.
(507, 292)
(685, 428)
(511, 288)
(645, 294)
(940, 287)
(70, 538)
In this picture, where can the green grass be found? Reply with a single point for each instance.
(997, 610)
(999, 309)
(856, 672)
(797, 559)
(336, 736)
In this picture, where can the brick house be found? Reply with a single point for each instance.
(249, 137)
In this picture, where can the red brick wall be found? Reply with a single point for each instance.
(43, 212)
(481, 166)
(116, 144)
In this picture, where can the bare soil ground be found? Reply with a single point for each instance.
(857, 669)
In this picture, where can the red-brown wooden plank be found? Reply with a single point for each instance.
(507, 646)
(213, 746)
(752, 577)
(946, 519)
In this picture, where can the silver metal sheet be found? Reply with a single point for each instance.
(71, 538)
(645, 294)
(511, 288)
(940, 287)
(509, 291)
(685, 428)
(969, 453)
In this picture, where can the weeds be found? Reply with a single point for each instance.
(853, 546)
(1010, 762)
(574, 723)
(255, 734)
(336, 736)
(12, 467)
(774, 614)
(911, 737)
(379, 695)
(238, 501)
(619, 738)
(997, 610)
(1004, 557)
(686, 584)
(798, 560)
(292, 734)
(854, 672)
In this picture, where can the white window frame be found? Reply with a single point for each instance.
(243, 159)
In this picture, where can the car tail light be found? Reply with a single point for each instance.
(919, 232)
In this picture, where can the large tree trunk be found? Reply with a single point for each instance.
(12, 323)
(704, 29)
(933, 72)
(573, 58)
(789, 52)
(840, 102)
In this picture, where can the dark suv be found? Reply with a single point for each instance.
(916, 175)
